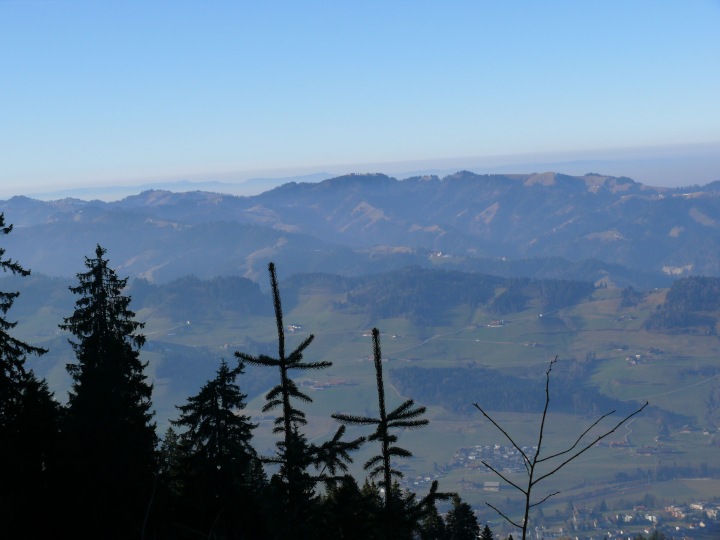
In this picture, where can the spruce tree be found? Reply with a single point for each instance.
(461, 521)
(108, 433)
(294, 485)
(166, 504)
(220, 474)
(432, 525)
(487, 533)
(28, 423)
(350, 512)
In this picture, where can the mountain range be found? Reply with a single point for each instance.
(590, 227)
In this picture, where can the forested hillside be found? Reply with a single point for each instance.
(692, 302)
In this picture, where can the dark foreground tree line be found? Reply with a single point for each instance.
(95, 467)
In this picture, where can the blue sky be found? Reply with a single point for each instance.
(99, 92)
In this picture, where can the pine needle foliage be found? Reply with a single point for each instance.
(295, 456)
(281, 396)
(461, 522)
(406, 416)
(218, 474)
(214, 430)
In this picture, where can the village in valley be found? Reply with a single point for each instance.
(697, 520)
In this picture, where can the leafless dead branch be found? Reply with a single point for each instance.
(531, 464)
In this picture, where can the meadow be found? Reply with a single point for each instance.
(669, 451)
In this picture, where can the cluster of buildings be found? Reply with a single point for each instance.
(506, 459)
(694, 521)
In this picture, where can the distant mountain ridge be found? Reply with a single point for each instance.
(249, 186)
(372, 222)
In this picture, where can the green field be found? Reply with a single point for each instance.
(675, 372)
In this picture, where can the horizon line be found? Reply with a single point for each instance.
(666, 163)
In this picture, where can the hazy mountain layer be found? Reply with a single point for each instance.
(501, 224)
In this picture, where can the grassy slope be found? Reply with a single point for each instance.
(678, 379)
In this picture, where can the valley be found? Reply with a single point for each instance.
(452, 357)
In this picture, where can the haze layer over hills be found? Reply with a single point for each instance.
(611, 228)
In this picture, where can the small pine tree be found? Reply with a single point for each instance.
(108, 433)
(170, 459)
(461, 521)
(406, 416)
(167, 500)
(432, 526)
(220, 473)
(486, 533)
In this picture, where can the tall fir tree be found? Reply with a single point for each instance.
(28, 424)
(294, 485)
(220, 474)
(108, 433)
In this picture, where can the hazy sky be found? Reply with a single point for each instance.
(103, 91)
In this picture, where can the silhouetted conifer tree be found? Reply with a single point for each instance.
(220, 476)
(461, 521)
(294, 485)
(12, 351)
(108, 433)
(350, 512)
(486, 533)
(28, 425)
(432, 526)
(167, 503)
(398, 510)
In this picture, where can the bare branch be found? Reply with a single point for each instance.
(513, 484)
(509, 438)
(597, 439)
(510, 521)
(544, 499)
(532, 464)
(545, 409)
(595, 423)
